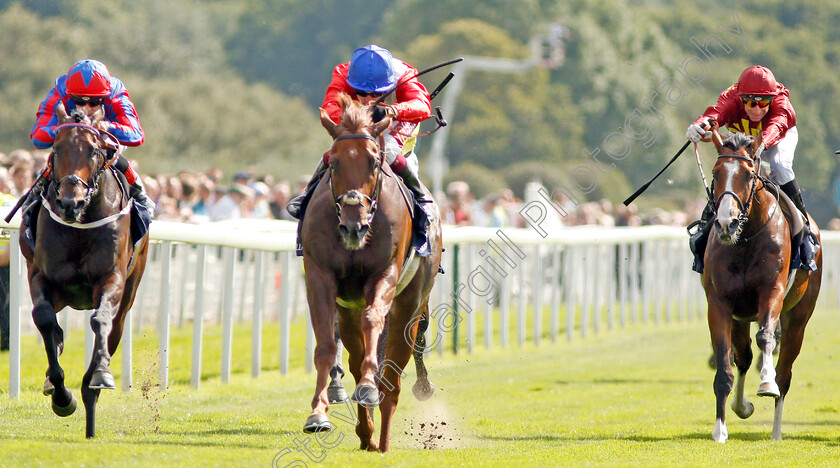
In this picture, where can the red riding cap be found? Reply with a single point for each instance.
(88, 78)
(757, 80)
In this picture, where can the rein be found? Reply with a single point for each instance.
(355, 197)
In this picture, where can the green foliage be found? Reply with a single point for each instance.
(519, 174)
(211, 78)
(294, 45)
(481, 180)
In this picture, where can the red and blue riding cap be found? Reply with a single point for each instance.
(88, 78)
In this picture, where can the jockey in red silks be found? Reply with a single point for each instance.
(89, 85)
(372, 72)
(756, 104)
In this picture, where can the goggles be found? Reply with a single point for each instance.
(87, 101)
(361, 93)
(751, 100)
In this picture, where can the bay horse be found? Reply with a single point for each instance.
(83, 256)
(748, 278)
(356, 238)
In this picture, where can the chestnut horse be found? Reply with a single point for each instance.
(356, 238)
(748, 279)
(83, 256)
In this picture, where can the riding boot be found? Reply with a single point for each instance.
(791, 189)
(423, 212)
(138, 192)
(699, 238)
(805, 242)
(297, 205)
(32, 200)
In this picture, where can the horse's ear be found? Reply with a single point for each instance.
(328, 124)
(757, 144)
(716, 139)
(379, 127)
(61, 112)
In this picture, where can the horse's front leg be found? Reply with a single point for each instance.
(720, 326)
(743, 357)
(768, 319)
(379, 295)
(98, 375)
(43, 314)
(321, 290)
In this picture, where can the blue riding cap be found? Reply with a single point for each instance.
(372, 70)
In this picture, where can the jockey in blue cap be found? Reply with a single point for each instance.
(372, 72)
(88, 85)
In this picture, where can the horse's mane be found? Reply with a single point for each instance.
(355, 117)
(737, 141)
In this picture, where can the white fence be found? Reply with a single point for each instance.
(573, 282)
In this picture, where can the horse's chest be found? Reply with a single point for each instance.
(67, 263)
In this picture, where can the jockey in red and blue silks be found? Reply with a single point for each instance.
(89, 85)
(89, 79)
(372, 72)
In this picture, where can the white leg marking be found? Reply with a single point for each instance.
(743, 408)
(720, 434)
(777, 420)
(768, 386)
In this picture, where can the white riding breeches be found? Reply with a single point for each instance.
(780, 157)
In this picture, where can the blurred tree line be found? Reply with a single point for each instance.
(236, 83)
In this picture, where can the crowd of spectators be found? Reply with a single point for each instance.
(210, 195)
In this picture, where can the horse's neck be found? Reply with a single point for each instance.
(763, 208)
(109, 199)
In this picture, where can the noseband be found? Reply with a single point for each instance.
(355, 197)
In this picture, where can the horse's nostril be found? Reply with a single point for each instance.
(342, 229)
(363, 230)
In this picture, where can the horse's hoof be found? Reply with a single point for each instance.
(102, 380)
(336, 392)
(49, 388)
(769, 389)
(65, 411)
(317, 423)
(423, 390)
(749, 408)
(366, 395)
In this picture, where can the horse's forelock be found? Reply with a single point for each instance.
(355, 116)
(79, 116)
(738, 141)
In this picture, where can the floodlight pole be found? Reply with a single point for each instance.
(546, 51)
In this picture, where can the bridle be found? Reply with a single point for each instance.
(356, 197)
(744, 207)
(91, 186)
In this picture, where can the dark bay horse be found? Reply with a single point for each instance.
(356, 238)
(83, 257)
(748, 279)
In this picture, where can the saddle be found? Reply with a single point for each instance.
(803, 241)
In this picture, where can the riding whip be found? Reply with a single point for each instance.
(645, 187)
(448, 62)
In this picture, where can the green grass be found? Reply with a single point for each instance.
(640, 396)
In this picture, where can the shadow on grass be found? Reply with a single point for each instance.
(706, 435)
(615, 381)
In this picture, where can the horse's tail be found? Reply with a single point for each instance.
(422, 389)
